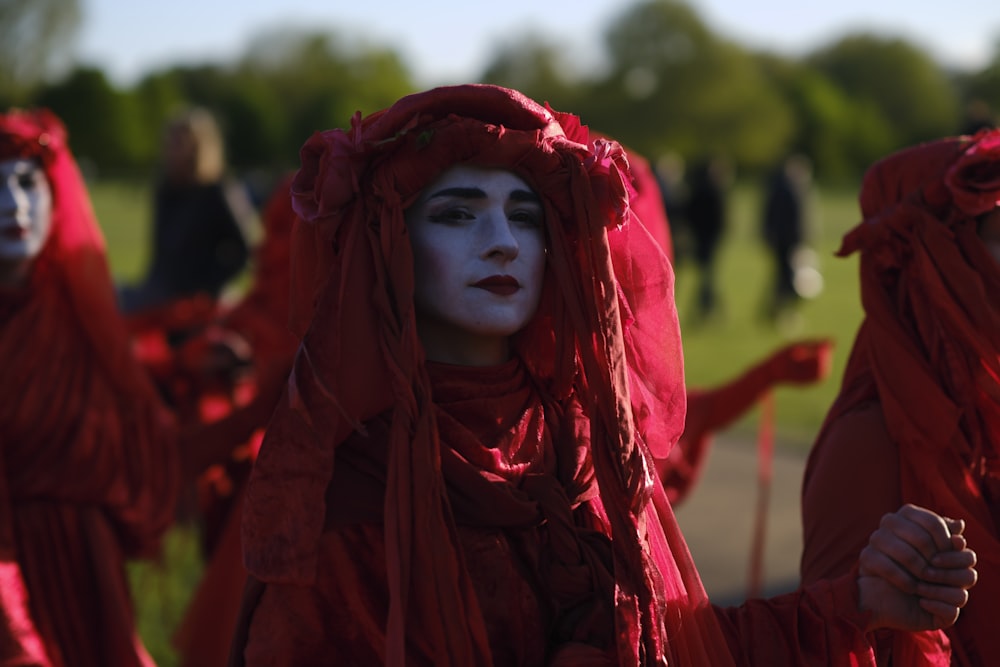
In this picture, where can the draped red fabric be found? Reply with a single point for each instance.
(230, 443)
(387, 495)
(918, 415)
(88, 472)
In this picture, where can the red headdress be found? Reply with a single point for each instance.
(929, 347)
(607, 331)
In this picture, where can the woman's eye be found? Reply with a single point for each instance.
(451, 215)
(531, 219)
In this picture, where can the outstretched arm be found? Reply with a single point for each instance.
(709, 410)
(914, 575)
(803, 362)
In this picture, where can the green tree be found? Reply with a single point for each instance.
(675, 86)
(103, 122)
(888, 75)
(157, 97)
(36, 40)
(249, 113)
(535, 65)
(321, 79)
(834, 131)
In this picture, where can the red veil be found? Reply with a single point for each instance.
(607, 331)
(928, 348)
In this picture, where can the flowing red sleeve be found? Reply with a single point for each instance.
(712, 409)
(816, 625)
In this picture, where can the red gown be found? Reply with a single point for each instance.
(88, 470)
(917, 419)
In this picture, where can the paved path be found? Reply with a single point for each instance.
(717, 520)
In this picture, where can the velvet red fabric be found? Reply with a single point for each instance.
(88, 472)
(413, 523)
(918, 415)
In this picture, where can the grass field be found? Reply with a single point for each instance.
(718, 350)
(714, 351)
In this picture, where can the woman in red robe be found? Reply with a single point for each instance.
(88, 471)
(918, 415)
(459, 471)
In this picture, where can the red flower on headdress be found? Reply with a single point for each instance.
(974, 179)
(610, 178)
(328, 178)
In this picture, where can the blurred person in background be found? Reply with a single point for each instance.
(88, 466)
(202, 219)
(668, 174)
(202, 222)
(785, 226)
(917, 419)
(705, 214)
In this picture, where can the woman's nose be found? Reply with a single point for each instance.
(499, 237)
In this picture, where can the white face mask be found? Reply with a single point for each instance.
(25, 210)
(478, 239)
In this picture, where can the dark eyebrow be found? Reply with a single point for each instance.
(462, 193)
(525, 196)
(477, 193)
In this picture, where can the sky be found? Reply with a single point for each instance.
(450, 41)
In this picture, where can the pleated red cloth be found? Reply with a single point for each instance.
(88, 473)
(918, 415)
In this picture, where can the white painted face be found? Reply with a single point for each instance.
(25, 211)
(478, 244)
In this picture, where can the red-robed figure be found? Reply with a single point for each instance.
(918, 415)
(88, 470)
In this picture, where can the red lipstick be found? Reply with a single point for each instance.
(14, 233)
(502, 285)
